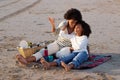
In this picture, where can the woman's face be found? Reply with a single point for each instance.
(78, 30)
(72, 23)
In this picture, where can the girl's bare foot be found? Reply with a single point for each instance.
(21, 59)
(67, 68)
(45, 64)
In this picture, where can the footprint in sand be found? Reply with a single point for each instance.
(1, 38)
(104, 76)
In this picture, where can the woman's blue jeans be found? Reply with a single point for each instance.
(75, 58)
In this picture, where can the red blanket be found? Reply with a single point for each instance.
(94, 61)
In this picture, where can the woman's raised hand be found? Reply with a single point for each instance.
(52, 21)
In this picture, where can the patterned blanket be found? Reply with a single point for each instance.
(94, 61)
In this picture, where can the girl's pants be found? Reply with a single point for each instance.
(75, 58)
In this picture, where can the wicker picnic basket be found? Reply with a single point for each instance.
(26, 52)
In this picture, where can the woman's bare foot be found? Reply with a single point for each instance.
(67, 68)
(45, 64)
(21, 59)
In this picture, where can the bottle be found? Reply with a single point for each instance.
(46, 54)
(47, 58)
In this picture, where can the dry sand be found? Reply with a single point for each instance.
(30, 22)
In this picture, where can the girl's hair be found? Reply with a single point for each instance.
(86, 28)
(73, 14)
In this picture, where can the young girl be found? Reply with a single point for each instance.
(79, 47)
(71, 16)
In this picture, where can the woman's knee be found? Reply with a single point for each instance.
(63, 52)
(53, 48)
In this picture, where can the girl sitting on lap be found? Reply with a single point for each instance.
(79, 49)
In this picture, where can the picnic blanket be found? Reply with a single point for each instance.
(94, 61)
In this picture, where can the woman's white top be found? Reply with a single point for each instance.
(63, 38)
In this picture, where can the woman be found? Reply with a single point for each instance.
(71, 16)
(79, 47)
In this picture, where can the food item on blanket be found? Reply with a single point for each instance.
(30, 44)
(50, 58)
(23, 44)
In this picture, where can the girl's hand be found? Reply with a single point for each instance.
(71, 49)
(52, 21)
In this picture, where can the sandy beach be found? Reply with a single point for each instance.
(28, 20)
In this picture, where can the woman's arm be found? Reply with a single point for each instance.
(52, 21)
(65, 35)
(61, 26)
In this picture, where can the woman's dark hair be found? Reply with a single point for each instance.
(86, 28)
(73, 14)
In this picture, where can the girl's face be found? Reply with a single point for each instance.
(72, 23)
(78, 30)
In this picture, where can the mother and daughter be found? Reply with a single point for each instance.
(71, 45)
